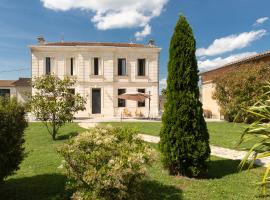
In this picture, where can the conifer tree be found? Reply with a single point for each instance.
(184, 137)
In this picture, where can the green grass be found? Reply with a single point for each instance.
(40, 178)
(222, 134)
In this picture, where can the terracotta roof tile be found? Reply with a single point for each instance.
(23, 82)
(7, 83)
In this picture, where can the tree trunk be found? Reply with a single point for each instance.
(54, 132)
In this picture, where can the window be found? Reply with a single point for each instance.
(122, 67)
(71, 66)
(96, 66)
(48, 65)
(141, 67)
(121, 102)
(141, 104)
(5, 93)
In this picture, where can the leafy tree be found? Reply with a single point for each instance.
(12, 125)
(53, 103)
(240, 88)
(184, 136)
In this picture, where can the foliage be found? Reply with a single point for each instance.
(12, 125)
(106, 163)
(259, 130)
(184, 136)
(53, 103)
(238, 89)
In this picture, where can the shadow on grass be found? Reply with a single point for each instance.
(156, 191)
(40, 187)
(223, 167)
(67, 136)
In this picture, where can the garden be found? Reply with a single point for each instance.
(42, 177)
(57, 159)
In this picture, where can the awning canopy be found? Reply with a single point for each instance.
(138, 96)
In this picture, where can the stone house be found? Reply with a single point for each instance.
(19, 89)
(103, 71)
(208, 87)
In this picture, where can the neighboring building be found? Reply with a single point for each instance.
(103, 71)
(19, 89)
(208, 87)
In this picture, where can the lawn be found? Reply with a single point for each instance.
(40, 177)
(222, 134)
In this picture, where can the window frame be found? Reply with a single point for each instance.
(48, 65)
(121, 103)
(139, 70)
(120, 72)
(96, 70)
(141, 104)
(5, 95)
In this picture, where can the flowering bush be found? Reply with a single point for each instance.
(106, 163)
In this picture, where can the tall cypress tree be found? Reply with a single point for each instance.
(184, 137)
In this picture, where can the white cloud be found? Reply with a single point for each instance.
(163, 83)
(261, 20)
(111, 14)
(230, 43)
(145, 32)
(209, 64)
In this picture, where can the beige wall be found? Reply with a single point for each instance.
(207, 100)
(108, 81)
(19, 93)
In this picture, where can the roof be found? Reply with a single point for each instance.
(7, 83)
(97, 44)
(244, 60)
(12, 83)
(23, 82)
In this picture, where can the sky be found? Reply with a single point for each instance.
(225, 30)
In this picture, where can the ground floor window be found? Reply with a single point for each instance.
(5, 93)
(121, 102)
(141, 104)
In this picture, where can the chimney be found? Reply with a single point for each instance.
(41, 40)
(151, 43)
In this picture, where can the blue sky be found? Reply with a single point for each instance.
(225, 30)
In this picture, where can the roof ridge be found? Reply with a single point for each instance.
(245, 59)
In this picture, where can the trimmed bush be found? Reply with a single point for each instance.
(184, 137)
(12, 125)
(106, 163)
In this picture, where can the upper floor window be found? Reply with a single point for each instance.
(141, 67)
(121, 102)
(48, 65)
(141, 104)
(122, 67)
(96, 66)
(71, 66)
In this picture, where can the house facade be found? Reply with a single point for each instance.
(208, 86)
(103, 71)
(18, 89)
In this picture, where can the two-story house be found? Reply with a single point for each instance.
(103, 72)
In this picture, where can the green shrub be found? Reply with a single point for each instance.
(259, 134)
(12, 125)
(239, 89)
(106, 163)
(184, 137)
